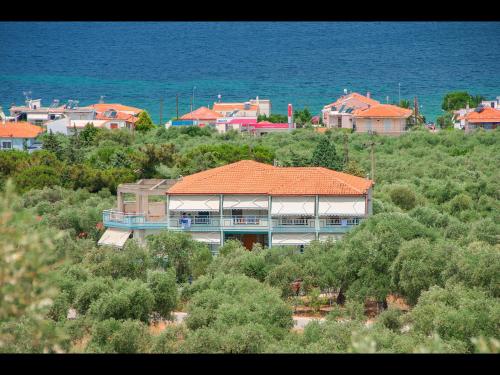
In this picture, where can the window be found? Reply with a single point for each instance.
(333, 221)
(353, 221)
(113, 125)
(369, 125)
(339, 121)
(7, 144)
(387, 125)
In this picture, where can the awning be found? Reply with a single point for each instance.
(114, 237)
(206, 237)
(292, 206)
(341, 206)
(331, 236)
(256, 202)
(194, 203)
(284, 239)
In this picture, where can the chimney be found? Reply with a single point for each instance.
(467, 107)
(368, 94)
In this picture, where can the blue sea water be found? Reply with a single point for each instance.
(304, 63)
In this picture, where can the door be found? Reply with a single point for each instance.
(248, 240)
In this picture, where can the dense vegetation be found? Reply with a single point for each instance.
(433, 240)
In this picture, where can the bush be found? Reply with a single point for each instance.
(456, 313)
(113, 336)
(403, 197)
(164, 288)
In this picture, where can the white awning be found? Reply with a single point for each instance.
(193, 203)
(326, 236)
(114, 237)
(207, 237)
(332, 206)
(256, 202)
(37, 116)
(292, 206)
(292, 238)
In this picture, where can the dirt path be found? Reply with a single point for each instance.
(299, 321)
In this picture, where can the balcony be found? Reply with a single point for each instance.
(249, 223)
(285, 224)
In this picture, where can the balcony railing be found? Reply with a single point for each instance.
(112, 218)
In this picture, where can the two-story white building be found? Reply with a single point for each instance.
(249, 201)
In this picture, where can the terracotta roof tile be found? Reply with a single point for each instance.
(103, 107)
(383, 111)
(202, 113)
(251, 177)
(354, 95)
(488, 114)
(19, 130)
(119, 116)
(233, 107)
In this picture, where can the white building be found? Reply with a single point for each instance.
(249, 201)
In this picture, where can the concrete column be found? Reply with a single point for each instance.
(316, 216)
(167, 210)
(140, 235)
(119, 202)
(221, 208)
(270, 221)
(138, 203)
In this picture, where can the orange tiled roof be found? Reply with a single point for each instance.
(103, 107)
(354, 95)
(251, 177)
(233, 107)
(202, 113)
(19, 130)
(488, 114)
(119, 116)
(384, 111)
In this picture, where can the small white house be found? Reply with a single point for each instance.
(18, 136)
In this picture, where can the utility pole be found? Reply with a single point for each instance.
(192, 99)
(161, 110)
(415, 104)
(177, 105)
(372, 156)
(371, 144)
(346, 149)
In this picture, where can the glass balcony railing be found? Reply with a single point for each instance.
(113, 218)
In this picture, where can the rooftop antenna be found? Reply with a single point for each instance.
(219, 97)
(27, 95)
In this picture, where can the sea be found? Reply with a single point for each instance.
(307, 64)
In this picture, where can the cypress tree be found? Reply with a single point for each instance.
(325, 155)
(51, 143)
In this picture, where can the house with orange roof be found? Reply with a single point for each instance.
(105, 115)
(384, 119)
(339, 114)
(487, 118)
(19, 135)
(251, 108)
(101, 108)
(248, 201)
(202, 116)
